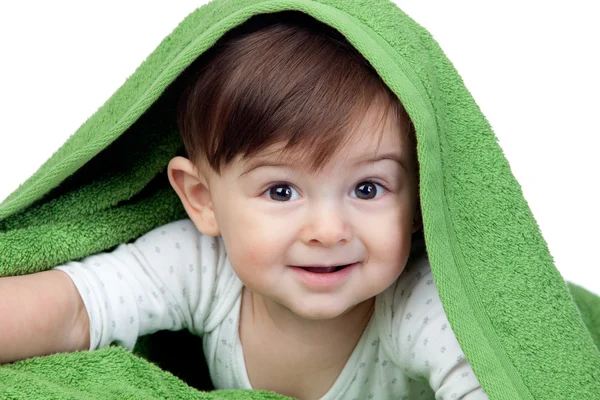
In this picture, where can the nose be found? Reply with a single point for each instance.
(326, 225)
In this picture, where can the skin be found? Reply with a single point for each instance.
(308, 218)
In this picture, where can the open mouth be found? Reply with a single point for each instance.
(325, 270)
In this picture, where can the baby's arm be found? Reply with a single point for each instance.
(41, 314)
(152, 284)
(163, 280)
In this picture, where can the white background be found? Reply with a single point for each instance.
(531, 66)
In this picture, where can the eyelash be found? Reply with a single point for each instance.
(265, 193)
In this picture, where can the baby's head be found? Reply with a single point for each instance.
(302, 160)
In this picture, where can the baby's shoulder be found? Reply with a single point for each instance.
(175, 230)
(180, 235)
(409, 307)
(181, 242)
(415, 281)
(411, 297)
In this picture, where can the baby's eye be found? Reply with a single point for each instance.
(281, 192)
(368, 190)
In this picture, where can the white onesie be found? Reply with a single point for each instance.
(175, 278)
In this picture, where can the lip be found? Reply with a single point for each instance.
(326, 279)
(322, 265)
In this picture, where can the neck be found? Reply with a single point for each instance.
(343, 330)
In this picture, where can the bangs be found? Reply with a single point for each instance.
(281, 78)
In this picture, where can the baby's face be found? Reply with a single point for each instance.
(283, 226)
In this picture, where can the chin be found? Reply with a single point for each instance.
(320, 312)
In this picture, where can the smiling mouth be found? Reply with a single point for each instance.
(324, 270)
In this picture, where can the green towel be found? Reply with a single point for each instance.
(526, 332)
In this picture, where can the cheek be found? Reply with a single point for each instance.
(389, 236)
(252, 242)
(249, 251)
(253, 258)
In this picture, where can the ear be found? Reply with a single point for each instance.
(192, 188)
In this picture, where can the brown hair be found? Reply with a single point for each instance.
(278, 78)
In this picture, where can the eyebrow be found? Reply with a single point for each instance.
(270, 163)
(385, 156)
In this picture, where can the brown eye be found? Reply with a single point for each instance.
(280, 192)
(367, 190)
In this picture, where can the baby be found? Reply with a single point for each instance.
(298, 264)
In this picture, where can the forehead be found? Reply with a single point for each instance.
(379, 131)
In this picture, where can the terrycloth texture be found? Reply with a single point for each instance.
(110, 373)
(510, 309)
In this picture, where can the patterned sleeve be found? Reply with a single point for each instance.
(163, 280)
(426, 345)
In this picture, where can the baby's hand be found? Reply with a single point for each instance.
(41, 314)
